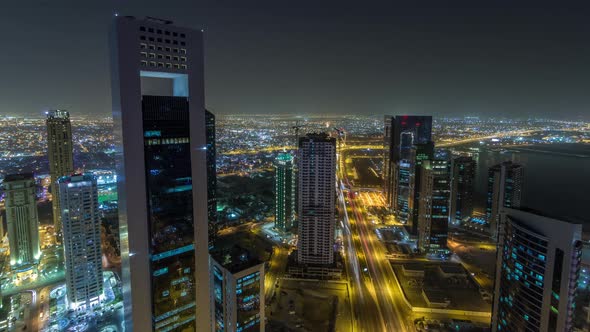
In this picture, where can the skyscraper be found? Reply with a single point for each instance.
(284, 192)
(238, 291)
(316, 184)
(538, 263)
(462, 181)
(159, 115)
(422, 152)
(81, 237)
(433, 221)
(387, 176)
(22, 219)
(61, 157)
(408, 141)
(505, 183)
(211, 176)
(404, 187)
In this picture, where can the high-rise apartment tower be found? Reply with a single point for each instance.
(316, 185)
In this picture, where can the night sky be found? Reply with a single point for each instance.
(361, 57)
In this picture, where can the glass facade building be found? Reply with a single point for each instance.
(284, 192)
(462, 184)
(505, 185)
(538, 265)
(401, 134)
(170, 209)
(238, 288)
(161, 159)
(433, 222)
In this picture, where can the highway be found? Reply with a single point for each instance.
(377, 301)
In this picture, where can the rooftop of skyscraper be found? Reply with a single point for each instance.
(18, 177)
(235, 259)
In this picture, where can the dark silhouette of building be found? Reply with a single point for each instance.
(462, 182)
(211, 176)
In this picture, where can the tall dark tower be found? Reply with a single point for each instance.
(211, 176)
(505, 184)
(161, 159)
(462, 181)
(61, 157)
(401, 133)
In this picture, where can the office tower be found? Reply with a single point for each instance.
(462, 181)
(61, 157)
(159, 116)
(238, 291)
(505, 183)
(22, 220)
(422, 152)
(387, 176)
(211, 176)
(284, 192)
(81, 237)
(401, 133)
(433, 221)
(404, 185)
(538, 263)
(316, 184)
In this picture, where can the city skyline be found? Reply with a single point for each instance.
(170, 215)
(499, 59)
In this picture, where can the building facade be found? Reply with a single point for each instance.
(161, 159)
(60, 151)
(317, 193)
(462, 183)
(22, 220)
(238, 293)
(211, 176)
(433, 221)
(81, 238)
(505, 185)
(284, 192)
(402, 132)
(538, 263)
